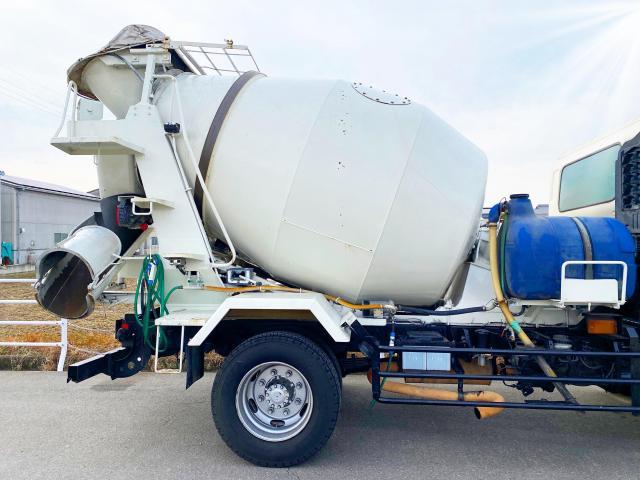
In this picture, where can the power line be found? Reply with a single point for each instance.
(40, 85)
(33, 96)
(29, 103)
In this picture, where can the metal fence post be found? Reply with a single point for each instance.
(63, 344)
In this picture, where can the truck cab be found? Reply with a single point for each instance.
(585, 182)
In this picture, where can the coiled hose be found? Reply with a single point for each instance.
(149, 290)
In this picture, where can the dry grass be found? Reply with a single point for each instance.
(82, 342)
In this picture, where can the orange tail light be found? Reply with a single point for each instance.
(602, 326)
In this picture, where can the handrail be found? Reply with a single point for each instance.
(72, 87)
(199, 177)
(623, 294)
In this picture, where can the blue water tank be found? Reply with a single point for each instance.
(533, 249)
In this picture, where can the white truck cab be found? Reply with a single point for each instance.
(584, 183)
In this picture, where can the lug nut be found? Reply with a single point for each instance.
(299, 385)
(298, 401)
(261, 398)
(289, 373)
(274, 372)
(271, 410)
(261, 382)
(285, 412)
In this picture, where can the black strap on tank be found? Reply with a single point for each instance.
(214, 131)
(586, 245)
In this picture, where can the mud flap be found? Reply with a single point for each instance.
(195, 365)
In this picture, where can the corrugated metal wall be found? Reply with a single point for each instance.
(33, 221)
(7, 214)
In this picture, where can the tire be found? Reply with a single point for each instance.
(248, 399)
(334, 361)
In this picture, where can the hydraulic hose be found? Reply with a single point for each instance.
(511, 321)
(130, 65)
(281, 288)
(441, 313)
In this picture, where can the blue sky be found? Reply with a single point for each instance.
(525, 80)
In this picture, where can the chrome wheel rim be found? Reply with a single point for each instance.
(274, 401)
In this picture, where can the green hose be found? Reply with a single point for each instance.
(149, 290)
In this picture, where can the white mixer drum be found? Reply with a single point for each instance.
(334, 186)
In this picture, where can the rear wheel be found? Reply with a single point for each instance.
(276, 399)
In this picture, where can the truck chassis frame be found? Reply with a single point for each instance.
(633, 355)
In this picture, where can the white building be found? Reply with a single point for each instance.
(35, 215)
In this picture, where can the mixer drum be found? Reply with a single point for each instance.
(337, 187)
(325, 184)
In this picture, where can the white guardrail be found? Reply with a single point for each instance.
(62, 323)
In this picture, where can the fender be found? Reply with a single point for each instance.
(335, 320)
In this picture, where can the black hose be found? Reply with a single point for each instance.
(128, 64)
(439, 313)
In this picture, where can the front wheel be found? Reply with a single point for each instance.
(276, 399)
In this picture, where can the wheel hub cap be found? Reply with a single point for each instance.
(274, 401)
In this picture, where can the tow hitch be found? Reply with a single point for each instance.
(121, 362)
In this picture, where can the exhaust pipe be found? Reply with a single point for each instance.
(438, 394)
(74, 273)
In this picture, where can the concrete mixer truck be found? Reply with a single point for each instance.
(310, 229)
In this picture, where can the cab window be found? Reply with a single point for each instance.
(589, 181)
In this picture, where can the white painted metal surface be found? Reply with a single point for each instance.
(96, 246)
(118, 175)
(176, 226)
(355, 187)
(87, 253)
(578, 291)
(331, 318)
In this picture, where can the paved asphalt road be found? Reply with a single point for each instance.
(149, 427)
